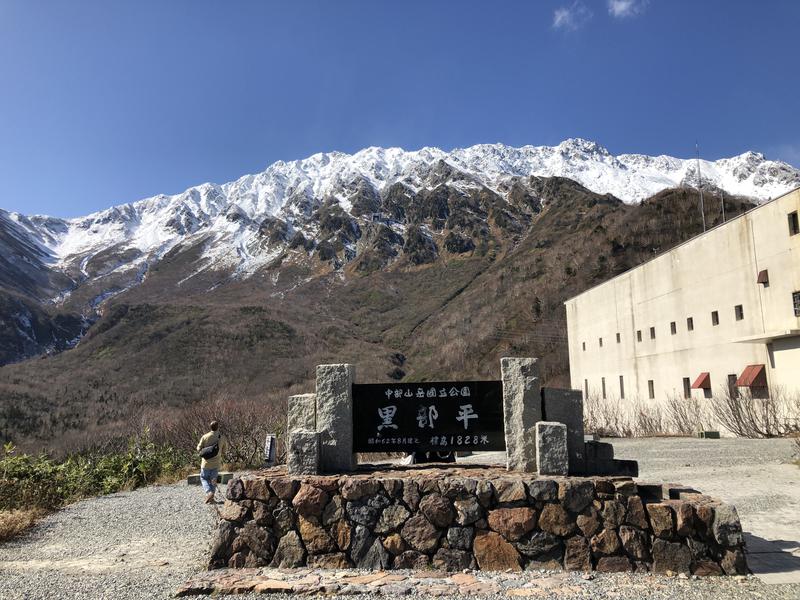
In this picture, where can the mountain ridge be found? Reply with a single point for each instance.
(630, 177)
(349, 214)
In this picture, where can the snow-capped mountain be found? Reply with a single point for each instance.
(244, 224)
(409, 263)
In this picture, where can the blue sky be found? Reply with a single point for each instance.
(107, 102)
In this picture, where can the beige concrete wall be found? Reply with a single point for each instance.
(785, 355)
(712, 272)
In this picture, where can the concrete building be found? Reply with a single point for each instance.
(719, 313)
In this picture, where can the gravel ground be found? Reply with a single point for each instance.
(144, 544)
(140, 544)
(757, 476)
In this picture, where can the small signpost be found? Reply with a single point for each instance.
(269, 450)
(438, 416)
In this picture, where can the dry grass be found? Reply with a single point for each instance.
(15, 522)
(177, 476)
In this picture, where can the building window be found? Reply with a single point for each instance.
(673, 328)
(639, 335)
(690, 324)
(601, 342)
(618, 338)
(652, 333)
(796, 303)
(584, 346)
(687, 387)
(651, 389)
(715, 317)
(739, 311)
(586, 388)
(733, 391)
(794, 225)
(621, 387)
(603, 385)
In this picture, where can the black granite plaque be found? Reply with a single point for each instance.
(434, 416)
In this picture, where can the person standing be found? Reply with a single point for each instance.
(210, 447)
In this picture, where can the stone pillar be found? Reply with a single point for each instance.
(566, 406)
(334, 412)
(302, 456)
(522, 408)
(551, 448)
(302, 413)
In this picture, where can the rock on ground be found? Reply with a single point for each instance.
(340, 583)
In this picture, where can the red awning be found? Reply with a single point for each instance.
(763, 277)
(703, 382)
(753, 376)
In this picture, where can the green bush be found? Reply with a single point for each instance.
(28, 481)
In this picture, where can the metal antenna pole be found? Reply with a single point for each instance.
(700, 188)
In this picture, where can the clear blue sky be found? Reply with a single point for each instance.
(107, 102)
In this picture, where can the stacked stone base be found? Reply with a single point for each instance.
(455, 519)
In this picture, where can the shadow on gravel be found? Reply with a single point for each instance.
(765, 557)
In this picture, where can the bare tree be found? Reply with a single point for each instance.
(685, 415)
(648, 419)
(607, 417)
(244, 423)
(770, 413)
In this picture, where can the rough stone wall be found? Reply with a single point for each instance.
(491, 523)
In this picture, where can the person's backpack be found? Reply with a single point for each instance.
(209, 451)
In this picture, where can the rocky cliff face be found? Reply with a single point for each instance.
(375, 206)
(29, 323)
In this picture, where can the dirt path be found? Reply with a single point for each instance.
(140, 544)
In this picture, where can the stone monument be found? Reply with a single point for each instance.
(334, 417)
(552, 457)
(407, 411)
(522, 408)
(558, 503)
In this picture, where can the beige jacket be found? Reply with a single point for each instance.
(209, 439)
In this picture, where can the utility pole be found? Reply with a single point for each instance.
(700, 188)
(722, 197)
